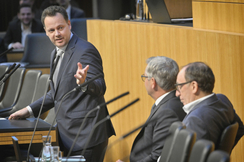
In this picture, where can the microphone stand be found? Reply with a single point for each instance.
(37, 120)
(5, 78)
(10, 49)
(83, 123)
(103, 120)
(9, 69)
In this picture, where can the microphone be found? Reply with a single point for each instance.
(83, 123)
(9, 69)
(82, 85)
(10, 49)
(105, 119)
(37, 120)
(132, 131)
(5, 78)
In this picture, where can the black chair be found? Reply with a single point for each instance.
(227, 138)
(218, 156)
(13, 89)
(3, 69)
(183, 145)
(201, 150)
(27, 93)
(37, 51)
(170, 140)
(79, 27)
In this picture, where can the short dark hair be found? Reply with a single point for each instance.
(202, 74)
(52, 11)
(25, 5)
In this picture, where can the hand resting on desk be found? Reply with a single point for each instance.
(23, 113)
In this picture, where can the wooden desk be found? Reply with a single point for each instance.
(23, 130)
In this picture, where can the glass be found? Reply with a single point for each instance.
(55, 154)
(143, 77)
(46, 151)
(139, 9)
(180, 85)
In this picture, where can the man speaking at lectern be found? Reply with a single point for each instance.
(74, 54)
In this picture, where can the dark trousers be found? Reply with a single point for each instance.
(92, 154)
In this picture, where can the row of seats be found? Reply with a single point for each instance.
(21, 89)
(181, 146)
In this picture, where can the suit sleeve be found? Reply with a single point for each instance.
(92, 58)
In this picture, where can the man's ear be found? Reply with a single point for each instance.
(153, 83)
(18, 15)
(194, 87)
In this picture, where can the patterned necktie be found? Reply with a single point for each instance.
(56, 66)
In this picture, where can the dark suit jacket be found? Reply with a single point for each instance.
(240, 131)
(14, 32)
(209, 118)
(77, 104)
(169, 110)
(76, 13)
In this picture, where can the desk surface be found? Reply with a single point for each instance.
(23, 130)
(23, 125)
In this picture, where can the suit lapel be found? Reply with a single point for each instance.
(67, 56)
(163, 101)
(153, 111)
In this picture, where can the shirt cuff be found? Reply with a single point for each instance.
(30, 111)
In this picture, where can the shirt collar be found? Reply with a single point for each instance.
(161, 98)
(188, 107)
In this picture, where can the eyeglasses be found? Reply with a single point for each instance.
(180, 85)
(143, 77)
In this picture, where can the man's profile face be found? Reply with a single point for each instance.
(57, 29)
(183, 91)
(25, 15)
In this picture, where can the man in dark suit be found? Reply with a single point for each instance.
(19, 28)
(76, 52)
(160, 76)
(73, 12)
(206, 114)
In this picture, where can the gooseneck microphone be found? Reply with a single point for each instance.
(103, 120)
(9, 69)
(5, 52)
(37, 120)
(83, 123)
(5, 78)
(132, 131)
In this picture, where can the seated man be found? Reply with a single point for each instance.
(19, 28)
(206, 114)
(160, 76)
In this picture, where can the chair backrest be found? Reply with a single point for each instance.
(182, 146)
(79, 27)
(13, 89)
(37, 50)
(17, 149)
(201, 150)
(170, 140)
(3, 69)
(41, 88)
(227, 138)
(28, 90)
(218, 156)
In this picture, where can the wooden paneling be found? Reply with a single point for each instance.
(218, 16)
(25, 137)
(125, 46)
(179, 8)
(230, 1)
